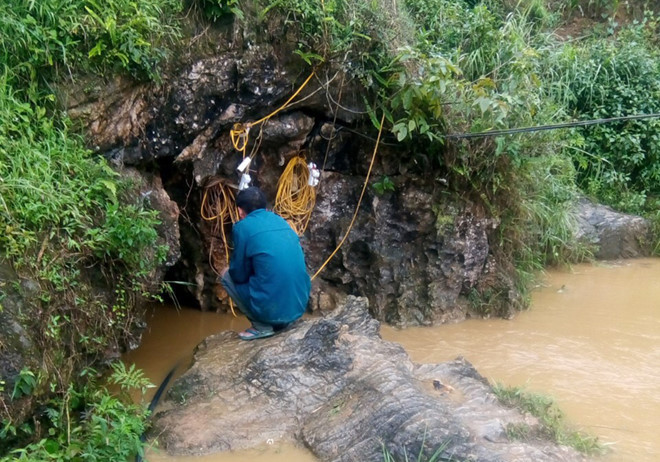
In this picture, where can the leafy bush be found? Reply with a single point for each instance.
(38, 38)
(92, 423)
(618, 163)
(71, 227)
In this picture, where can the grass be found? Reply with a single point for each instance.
(42, 39)
(82, 246)
(551, 419)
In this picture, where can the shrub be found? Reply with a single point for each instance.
(618, 163)
(72, 227)
(41, 38)
(92, 423)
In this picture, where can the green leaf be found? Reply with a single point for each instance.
(374, 120)
(483, 103)
(51, 446)
(400, 130)
(97, 50)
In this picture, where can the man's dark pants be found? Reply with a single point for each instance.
(239, 293)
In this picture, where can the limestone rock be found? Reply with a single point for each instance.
(114, 114)
(152, 195)
(417, 256)
(613, 234)
(333, 385)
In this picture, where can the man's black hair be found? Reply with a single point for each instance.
(251, 199)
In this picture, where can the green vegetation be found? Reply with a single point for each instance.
(360, 35)
(437, 455)
(383, 185)
(92, 423)
(73, 228)
(60, 37)
(216, 10)
(619, 163)
(81, 245)
(551, 420)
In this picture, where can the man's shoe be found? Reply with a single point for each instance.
(252, 334)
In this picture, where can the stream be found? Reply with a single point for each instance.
(591, 340)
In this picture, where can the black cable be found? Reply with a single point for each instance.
(154, 402)
(539, 128)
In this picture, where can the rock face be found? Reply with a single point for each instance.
(421, 251)
(15, 343)
(613, 234)
(335, 386)
(417, 255)
(418, 250)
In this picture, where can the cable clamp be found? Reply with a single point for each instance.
(245, 182)
(314, 175)
(244, 165)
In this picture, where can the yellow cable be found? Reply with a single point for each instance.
(240, 133)
(295, 198)
(357, 207)
(221, 210)
(287, 101)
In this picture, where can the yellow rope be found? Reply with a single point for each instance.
(357, 207)
(295, 198)
(240, 133)
(218, 203)
(219, 206)
(287, 101)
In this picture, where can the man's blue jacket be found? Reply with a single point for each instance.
(268, 267)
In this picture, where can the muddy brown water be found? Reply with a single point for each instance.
(591, 340)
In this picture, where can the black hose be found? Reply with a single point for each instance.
(579, 123)
(154, 403)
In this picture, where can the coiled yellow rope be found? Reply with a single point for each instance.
(295, 198)
(219, 206)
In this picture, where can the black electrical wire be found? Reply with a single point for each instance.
(154, 402)
(539, 128)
